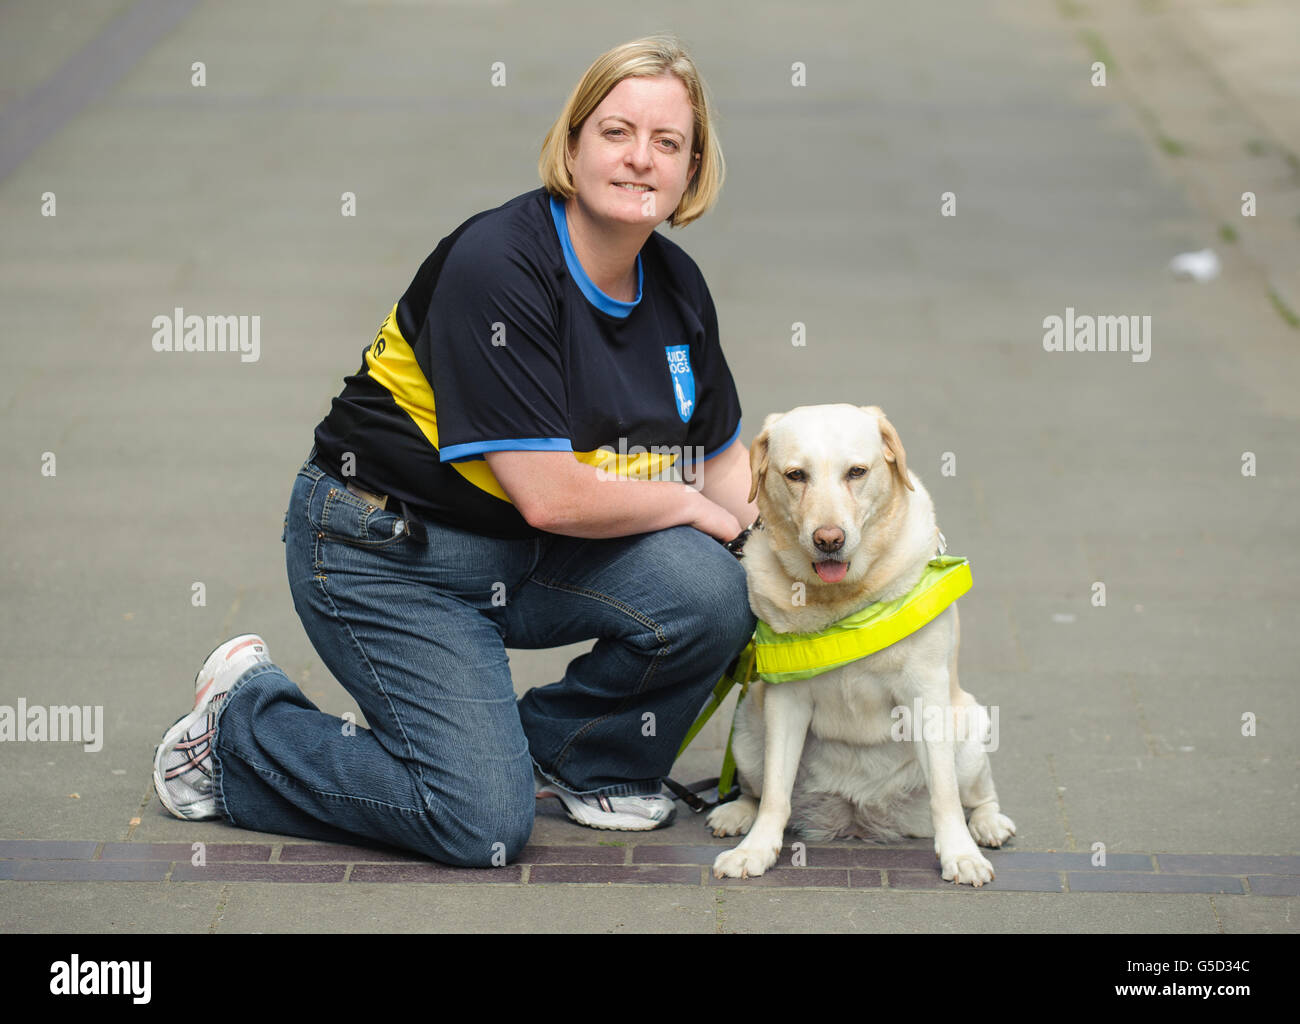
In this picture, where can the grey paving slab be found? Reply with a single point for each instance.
(40, 111)
(1160, 803)
(84, 907)
(61, 32)
(470, 908)
(1247, 915)
(891, 911)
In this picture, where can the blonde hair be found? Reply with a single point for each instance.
(643, 58)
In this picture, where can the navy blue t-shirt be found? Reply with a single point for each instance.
(502, 343)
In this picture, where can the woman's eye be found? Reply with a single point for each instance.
(620, 131)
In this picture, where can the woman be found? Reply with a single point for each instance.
(480, 483)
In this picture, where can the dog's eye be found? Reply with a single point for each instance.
(795, 475)
(856, 472)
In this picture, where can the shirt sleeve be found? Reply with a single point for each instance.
(716, 425)
(496, 358)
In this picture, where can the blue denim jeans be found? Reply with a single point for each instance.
(416, 630)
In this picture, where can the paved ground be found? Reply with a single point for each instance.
(1121, 724)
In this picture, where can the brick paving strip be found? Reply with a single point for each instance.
(826, 867)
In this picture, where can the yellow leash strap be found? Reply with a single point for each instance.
(740, 672)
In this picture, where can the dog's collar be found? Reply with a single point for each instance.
(784, 657)
(736, 545)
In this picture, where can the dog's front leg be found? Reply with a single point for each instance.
(786, 717)
(959, 857)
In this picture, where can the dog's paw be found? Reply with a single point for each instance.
(734, 818)
(989, 827)
(743, 862)
(966, 867)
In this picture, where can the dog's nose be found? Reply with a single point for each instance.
(829, 539)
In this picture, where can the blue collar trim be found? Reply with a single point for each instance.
(593, 294)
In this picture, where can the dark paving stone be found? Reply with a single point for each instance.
(1067, 861)
(1009, 881)
(334, 852)
(1274, 885)
(791, 878)
(83, 870)
(865, 878)
(1228, 864)
(45, 849)
(187, 872)
(870, 857)
(185, 851)
(662, 874)
(847, 856)
(903, 879)
(1132, 881)
(435, 873)
(655, 854)
(1026, 881)
(572, 855)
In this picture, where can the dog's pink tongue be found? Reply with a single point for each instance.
(831, 571)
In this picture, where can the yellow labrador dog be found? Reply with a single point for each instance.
(842, 524)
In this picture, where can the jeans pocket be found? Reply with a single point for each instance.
(355, 521)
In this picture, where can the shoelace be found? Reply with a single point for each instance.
(198, 750)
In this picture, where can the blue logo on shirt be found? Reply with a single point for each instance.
(679, 364)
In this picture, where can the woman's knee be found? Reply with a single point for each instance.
(714, 592)
(488, 828)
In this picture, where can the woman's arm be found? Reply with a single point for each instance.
(556, 493)
(725, 480)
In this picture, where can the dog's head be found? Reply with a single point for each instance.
(831, 483)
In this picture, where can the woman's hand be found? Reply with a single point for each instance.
(716, 521)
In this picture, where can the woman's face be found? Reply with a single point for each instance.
(641, 133)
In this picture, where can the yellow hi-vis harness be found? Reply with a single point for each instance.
(784, 657)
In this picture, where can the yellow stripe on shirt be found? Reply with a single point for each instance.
(391, 362)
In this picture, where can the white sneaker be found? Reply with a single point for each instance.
(182, 762)
(227, 663)
(618, 813)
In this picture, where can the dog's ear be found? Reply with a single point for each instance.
(891, 445)
(758, 455)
